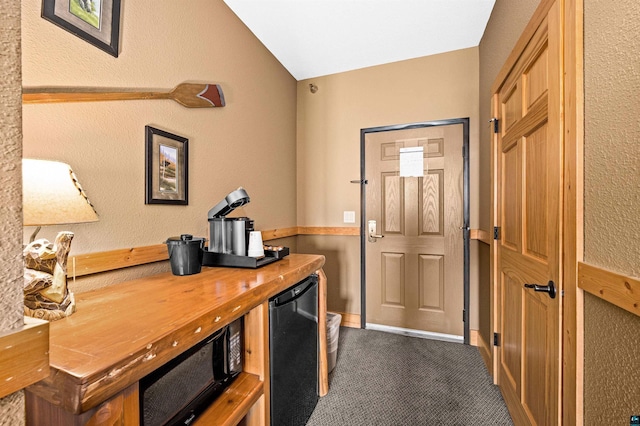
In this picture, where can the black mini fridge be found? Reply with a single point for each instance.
(293, 350)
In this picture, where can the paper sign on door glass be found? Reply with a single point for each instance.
(411, 163)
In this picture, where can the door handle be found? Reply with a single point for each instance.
(549, 288)
(373, 237)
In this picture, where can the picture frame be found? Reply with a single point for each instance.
(95, 21)
(166, 167)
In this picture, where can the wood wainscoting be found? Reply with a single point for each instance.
(481, 235)
(94, 263)
(620, 290)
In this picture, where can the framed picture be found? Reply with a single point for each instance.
(167, 168)
(95, 21)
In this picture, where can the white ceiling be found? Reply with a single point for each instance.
(313, 38)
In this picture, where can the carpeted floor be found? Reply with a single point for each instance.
(387, 379)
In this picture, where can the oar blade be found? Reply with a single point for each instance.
(192, 95)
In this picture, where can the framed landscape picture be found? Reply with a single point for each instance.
(95, 21)
(166, 168)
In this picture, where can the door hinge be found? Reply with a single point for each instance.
(464, 315)
(496, 232)
(496, 339)
(496, 126)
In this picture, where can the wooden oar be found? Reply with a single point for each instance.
(190, 95)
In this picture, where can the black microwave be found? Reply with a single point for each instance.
(179, 391)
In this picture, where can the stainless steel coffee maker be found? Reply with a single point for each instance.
(229, 235)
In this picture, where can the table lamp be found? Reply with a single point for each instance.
(51, 195)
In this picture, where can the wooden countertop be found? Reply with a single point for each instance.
(122, 332)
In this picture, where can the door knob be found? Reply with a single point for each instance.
(373, 237)
(549, 288)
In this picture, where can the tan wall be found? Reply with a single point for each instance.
(249, 143)
(329, 123)
(11, 318)
(612, 196)
(342, 267)
(508, 20)
(10, 161)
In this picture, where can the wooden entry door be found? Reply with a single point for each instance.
(415, 269)
(529, 211)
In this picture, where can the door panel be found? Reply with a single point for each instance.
(393, 284)
(415, 273)
(535, 200)
(528, 252)
(512, 331)
(393, 203)
(511, 198)
(511, 107)
(536, 78)
(432, 200)
(536, 392)
(431, 282)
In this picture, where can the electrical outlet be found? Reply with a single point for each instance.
(349, 217)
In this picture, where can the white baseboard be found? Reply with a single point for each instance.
(416, 333)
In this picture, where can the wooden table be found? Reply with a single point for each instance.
(123, 332)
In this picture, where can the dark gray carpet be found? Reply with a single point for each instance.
(388, 379)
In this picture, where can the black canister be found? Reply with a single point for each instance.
(185, 254)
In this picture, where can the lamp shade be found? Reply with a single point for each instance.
(52, 195)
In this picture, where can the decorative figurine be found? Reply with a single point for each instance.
(45, 278)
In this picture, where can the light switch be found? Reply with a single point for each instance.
(349, 217)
